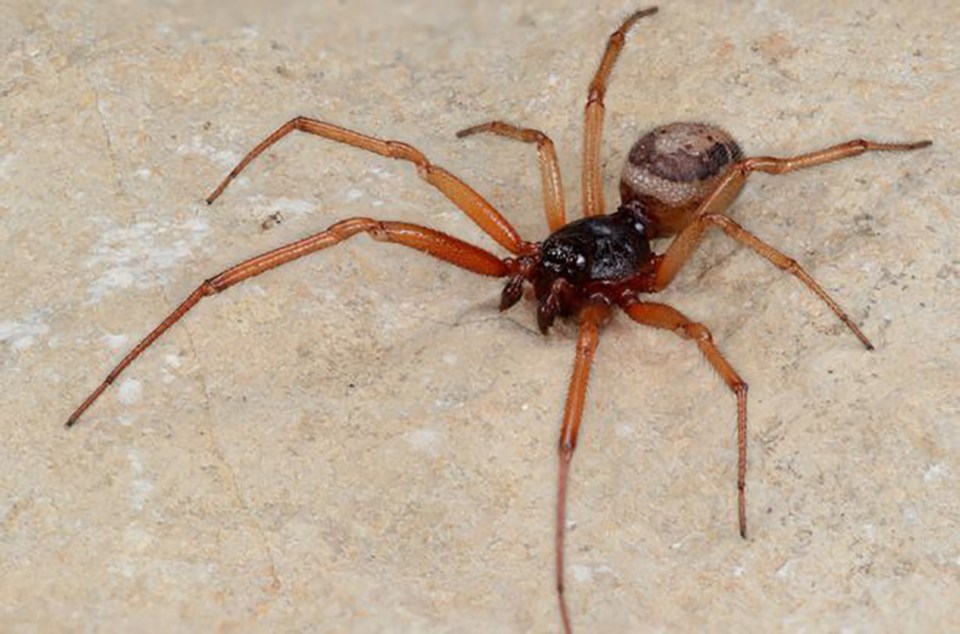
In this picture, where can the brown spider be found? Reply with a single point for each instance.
(678, 180)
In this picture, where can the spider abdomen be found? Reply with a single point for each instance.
(672, 168)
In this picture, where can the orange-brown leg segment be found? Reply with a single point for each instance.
(590, 319)
(717, 202)
(546, 158)
(461, 194)
(435, 243)
(669, 318)
(592, 179)
(833, 153)
(784, 263)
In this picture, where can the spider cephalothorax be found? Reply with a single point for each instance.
(594, 259)
(679, 179)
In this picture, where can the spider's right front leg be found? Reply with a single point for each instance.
(461, 194)
(434, 243)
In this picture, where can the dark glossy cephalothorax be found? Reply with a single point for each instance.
(678, 180)
(597, 257)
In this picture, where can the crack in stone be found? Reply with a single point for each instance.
(111, 151)
(275, 583)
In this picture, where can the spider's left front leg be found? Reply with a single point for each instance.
(439, 245)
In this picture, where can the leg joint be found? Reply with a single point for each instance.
(586, 346)
(541, 139)
(696, 331)
(378, 231)
(790, 265)
(595, 96)
(211, 286)
(406, 152)
(720, 220)
(619, 37)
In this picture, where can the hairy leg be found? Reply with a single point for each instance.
(669, 318)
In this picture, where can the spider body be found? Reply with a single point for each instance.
(679, 180)
(607, 259)
(595, 259)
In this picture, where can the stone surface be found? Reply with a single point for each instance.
(359, 441)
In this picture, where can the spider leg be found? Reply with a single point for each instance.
(553, 204)
(590, 318)
(784, 263)
(669, 318)
(856, 147)
(711, 213)
(434, 243)
(591, 177)
(461, 194)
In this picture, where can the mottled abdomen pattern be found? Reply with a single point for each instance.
(671, 169)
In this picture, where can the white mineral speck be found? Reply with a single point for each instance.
(582, 574)
(114, 342)
(934, 473)
(129, 391)
(424, 440)
(140, 487)
(20, 335)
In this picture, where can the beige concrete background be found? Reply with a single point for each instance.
(359, 442)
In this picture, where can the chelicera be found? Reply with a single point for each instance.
(678, 182)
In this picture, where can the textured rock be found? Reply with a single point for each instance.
(359, 441)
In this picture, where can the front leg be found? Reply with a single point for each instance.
(458, 192)
(434, 243)
(590, 318)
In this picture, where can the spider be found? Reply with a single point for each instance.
(678, 181)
